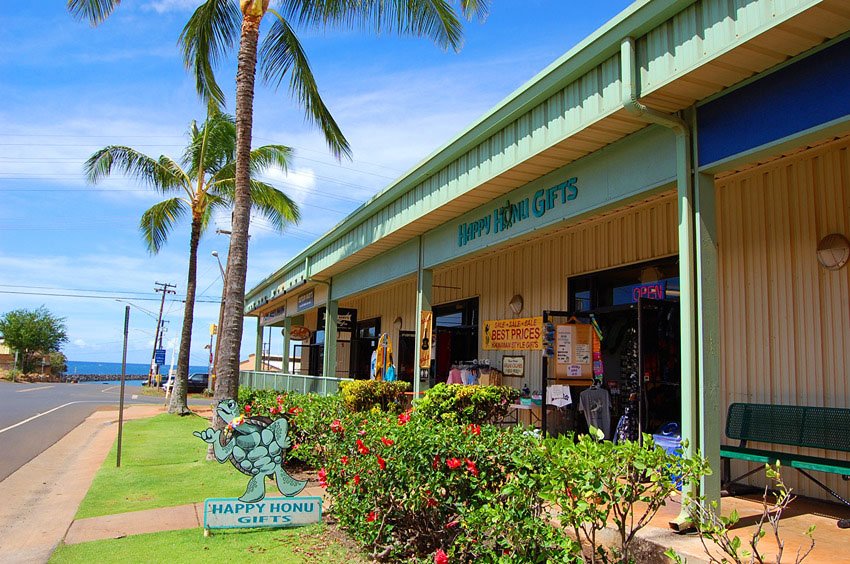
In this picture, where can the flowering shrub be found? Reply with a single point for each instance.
(363, 395)
(407, 486)
(466, 404)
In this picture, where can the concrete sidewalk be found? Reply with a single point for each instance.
(148, 521)
(41, 498)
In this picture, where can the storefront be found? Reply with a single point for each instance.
(669, 183)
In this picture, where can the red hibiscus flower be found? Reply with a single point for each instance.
(371, 516)
(247, 408)
(436, 463)
(453, 463)
(295, 410)
(471, 468)
(387, 442)
(336, 426)
(361, 448)
(323, 478)
(404, 418)
(440, 557)
(474, 429)
(431, 502)
(381, 462)
(357, 479)
(274, 410)
(279, 399)
(344, 460)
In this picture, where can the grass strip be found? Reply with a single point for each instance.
(162, 465)
(306, 544)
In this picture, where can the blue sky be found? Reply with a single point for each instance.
(68, 90)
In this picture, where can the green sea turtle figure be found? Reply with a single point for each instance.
(256, 446)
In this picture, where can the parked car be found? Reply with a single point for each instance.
(198, 382)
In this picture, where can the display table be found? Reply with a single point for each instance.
(528, 415)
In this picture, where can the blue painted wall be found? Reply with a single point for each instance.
(802, 95)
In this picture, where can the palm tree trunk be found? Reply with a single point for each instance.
(178, 403)
(227, 382)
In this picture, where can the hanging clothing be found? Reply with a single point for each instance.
(454, 377)
(595, 403)
(558, 395)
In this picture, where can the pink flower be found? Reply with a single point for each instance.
(362, 432)
(471, 468)
(371, 516)
(440, 557)
(381, 462)
(474, 429)
(452, 524)
(336, 426)
(404, 418)
(323, 478)
(361, 448)
(274, 410)
(453, 463)
(387, 442)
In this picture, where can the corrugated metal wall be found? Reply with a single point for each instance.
(785, 321)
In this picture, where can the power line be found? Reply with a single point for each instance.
(63, 295)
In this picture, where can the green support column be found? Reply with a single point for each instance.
(691, 422)
(287, 327)
(331, 315)
(258, 351)
(708, 336)
(424, 288)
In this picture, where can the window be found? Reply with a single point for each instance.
(657, 280)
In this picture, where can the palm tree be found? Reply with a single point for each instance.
(199, 184)
(212, 31)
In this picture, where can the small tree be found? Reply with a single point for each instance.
(32, 332)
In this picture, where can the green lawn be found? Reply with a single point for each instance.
(308, 544)
(162, 464)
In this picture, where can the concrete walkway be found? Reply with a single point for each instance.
(41, 498)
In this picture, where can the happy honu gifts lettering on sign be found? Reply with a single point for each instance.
(230, 513)
(256, 446)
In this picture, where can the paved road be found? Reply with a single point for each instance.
(34, 416)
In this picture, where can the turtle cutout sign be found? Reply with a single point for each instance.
(257, 447)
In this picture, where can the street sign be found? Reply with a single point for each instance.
(159, 356)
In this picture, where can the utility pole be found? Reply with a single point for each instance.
(163, 288)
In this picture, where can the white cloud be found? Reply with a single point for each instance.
(80, 343)
(163, 6)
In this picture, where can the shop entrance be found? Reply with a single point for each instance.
(365, 341)
(406, 351)
(635, 311)
(456, 334)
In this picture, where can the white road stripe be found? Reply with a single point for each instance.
(18, 424)
(35, 389)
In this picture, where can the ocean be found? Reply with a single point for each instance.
(86, 367)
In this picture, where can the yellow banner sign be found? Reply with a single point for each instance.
(425, 345)
(525, 334)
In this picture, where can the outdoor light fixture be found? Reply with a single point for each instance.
(516, 304)
(833, 251)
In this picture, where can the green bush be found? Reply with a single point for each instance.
(364, 395)
(466, 404)
(408, 486)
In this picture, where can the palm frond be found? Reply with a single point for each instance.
(157, 174)
(156, 223)
(92, 11)
(281, 53)
(434, 19)
(215, 142)
(211, 31)
(278, 208)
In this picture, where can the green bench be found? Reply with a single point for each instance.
(825, 428)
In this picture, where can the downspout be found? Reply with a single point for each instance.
(687, 254)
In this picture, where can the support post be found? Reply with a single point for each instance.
(708, 336)
(424, 290)
(284, 356)
(258, 349)
(331, 317)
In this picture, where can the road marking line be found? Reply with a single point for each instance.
(107, 388)
(10, 427)
(34, 389)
